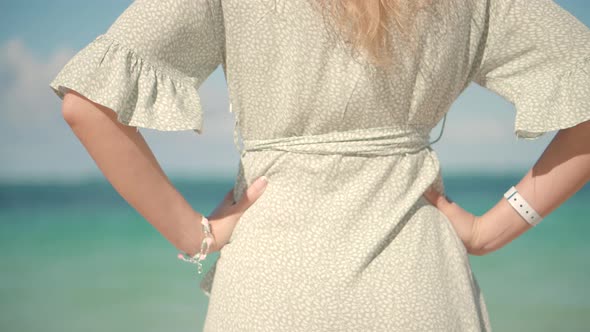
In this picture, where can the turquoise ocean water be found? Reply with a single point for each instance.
(77, 257)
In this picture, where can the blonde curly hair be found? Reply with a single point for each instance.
(367, 23)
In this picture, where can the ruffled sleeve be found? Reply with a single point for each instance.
(536, 55)
(147, 67)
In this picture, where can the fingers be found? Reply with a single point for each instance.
(252, 193)
(229, 197)
(443, 203)
(223, 207)
(436, 198)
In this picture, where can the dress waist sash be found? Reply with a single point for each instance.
(379, 141)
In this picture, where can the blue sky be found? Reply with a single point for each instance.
(38, 37)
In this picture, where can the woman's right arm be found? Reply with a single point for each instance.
(125, 159)
(144, 71)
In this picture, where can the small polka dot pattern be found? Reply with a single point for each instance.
(149, 64)
(342, 238)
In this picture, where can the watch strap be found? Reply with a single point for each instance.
(522, 207)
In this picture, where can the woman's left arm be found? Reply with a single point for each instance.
(562, 170)
(534, 54)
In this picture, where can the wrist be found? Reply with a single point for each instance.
(522, 206)
(191, 244)
(475, 245)
(497, 227)
(205, 247)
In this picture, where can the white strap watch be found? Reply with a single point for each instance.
(522, 207)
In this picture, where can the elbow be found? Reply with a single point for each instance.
(581, 131)
(72, 108)
(77, 110)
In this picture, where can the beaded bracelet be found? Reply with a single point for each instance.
(205, 246)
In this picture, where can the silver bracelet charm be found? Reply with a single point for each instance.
(205, 246)
(522, 206)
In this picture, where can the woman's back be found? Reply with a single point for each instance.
(342, 238)
(289, 73)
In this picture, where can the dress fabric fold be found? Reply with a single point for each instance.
(342, 239)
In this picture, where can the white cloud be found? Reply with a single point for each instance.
(36, 142)
(24, 97)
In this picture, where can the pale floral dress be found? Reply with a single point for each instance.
(342, 239)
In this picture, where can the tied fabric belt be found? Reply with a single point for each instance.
(380, 141)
